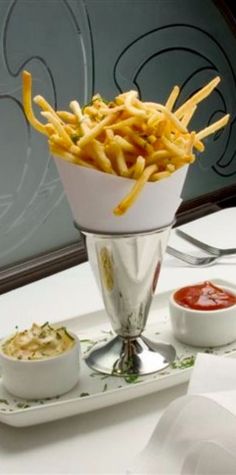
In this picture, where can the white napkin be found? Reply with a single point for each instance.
(197, 433)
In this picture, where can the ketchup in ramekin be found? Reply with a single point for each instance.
(204, 296)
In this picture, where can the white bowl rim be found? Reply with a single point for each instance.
(202, 312)
(39, 360)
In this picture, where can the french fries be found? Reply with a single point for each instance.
(144, 141)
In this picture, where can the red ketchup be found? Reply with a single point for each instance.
(205, 296)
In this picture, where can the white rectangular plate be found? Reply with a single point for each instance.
(94, 390)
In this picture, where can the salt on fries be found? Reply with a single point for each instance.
(144, 141)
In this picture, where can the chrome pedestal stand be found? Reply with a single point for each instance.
(127, 268)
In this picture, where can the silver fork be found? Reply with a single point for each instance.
(192, 260)
(216, 251)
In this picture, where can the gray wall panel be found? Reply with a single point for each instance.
(75, 48)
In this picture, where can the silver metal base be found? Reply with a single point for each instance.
(126, 356)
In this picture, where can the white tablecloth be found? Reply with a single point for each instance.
(104, 441)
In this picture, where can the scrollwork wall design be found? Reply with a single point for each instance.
(62, 43)
(30, 188)
(199, 57)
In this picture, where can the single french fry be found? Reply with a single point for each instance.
(174, 149)
(213, 127)
(199, 145)
(160, 175)
(170, 167)
(50, 129)
(138, 140)
(129, 104)
(172, 98)
(188, 115)
(123, 123)
(136, 190)
(109, 135)
(158, 155)
(45, 106)
(75, 107)
(67, 117)
(124, 144)
(27, 103)
(119, 158)
(95, 131)
(190, 143)
(139, 167)
(75, 149)
(198, 97)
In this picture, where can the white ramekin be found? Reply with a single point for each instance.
(203, 328)
(37, 379)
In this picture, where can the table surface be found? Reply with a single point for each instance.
(107, 440)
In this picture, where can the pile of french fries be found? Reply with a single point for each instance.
(144, 141)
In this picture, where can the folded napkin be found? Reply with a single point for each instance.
(197, 432)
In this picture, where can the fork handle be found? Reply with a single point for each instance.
(206, 247)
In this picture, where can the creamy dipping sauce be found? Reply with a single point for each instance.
(39, 342)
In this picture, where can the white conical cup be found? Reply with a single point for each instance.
(93, 195)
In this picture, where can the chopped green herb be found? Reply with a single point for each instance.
(22, 405)
(102, 100)
(44, 324)
(184, 363)
(68, 334)
(42, 334)
(108, 332)
(132, 378)
(105, 388)
(4, 401)
(105, 376)
(94, 374)
(75, 137)
(84, 394)
(87, 340)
